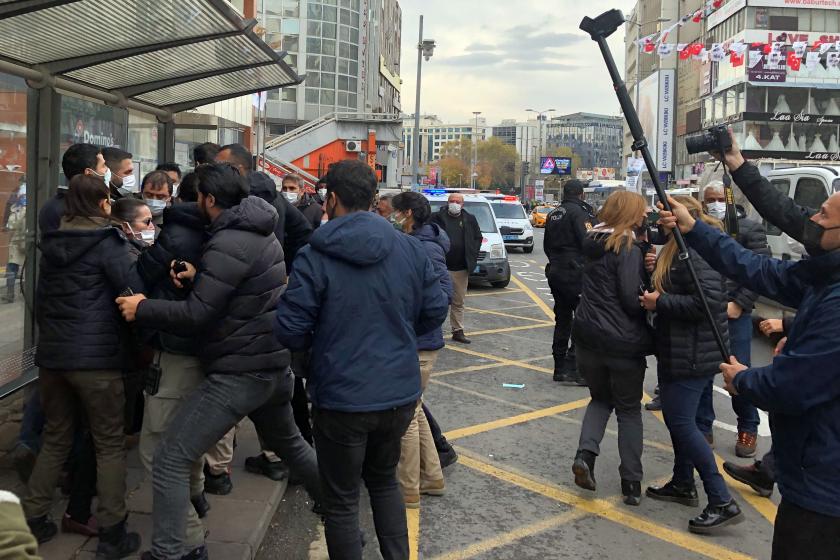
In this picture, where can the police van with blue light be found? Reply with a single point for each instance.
(513, 222)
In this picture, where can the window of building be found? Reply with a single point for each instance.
(313, 45)
(330, 14)
(289, 94)
(290, 26)
(327, 97)
(328, 63)
(311, 95)
(291, 43)
(328, 80)
(328, 46)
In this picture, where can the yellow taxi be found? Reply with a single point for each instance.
(538, 215)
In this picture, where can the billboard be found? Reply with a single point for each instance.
(656, 113)
(555, 166)
(820, 4)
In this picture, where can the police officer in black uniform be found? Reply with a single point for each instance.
(565, 230)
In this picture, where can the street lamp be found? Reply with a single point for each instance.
(425, 49)
(541, 118)
(475, 149)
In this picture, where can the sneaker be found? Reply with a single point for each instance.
(433, 488)
(584, 470)
(746, 445)
(448, 457)
(218, 484)
(714, 518)
(201, 505)
(632, 492)
(752, 475)
(70, 525)
(275, 470)
(459, 336)
(560, 376)
(655, 403)
(671, 492)
(198, 553)
(42, 528)
(115, 542)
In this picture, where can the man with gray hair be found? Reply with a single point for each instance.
(296, 193)
(751, 236)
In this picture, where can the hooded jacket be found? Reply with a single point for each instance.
(181, 238)
(436, 243)
(360, 295)
(801, 388)
(240, 278)
(609, 319)
(85, 265)
(292, 229)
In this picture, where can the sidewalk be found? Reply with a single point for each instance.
(236, 523)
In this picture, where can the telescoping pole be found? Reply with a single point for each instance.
(599, 29)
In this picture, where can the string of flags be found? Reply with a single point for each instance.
(777, 53)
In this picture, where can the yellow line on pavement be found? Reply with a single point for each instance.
(494, 293)
(503, 361)
(501, 314)
(531, 294)
(484, 366)
(605, 509)
(413, 519)
(512, 329)
(513, 420)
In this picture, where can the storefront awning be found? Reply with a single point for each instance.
(162, 56)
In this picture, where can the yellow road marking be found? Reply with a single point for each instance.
(605, 509)
(413, 518)
(484, 366)
(502, 314)
(512, 329)
(513, 420)
(495, 293)
(512, 307)
(537, 299)
(764, 506)
(502, 361)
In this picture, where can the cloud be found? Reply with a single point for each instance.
(479, 47)
(476, 60)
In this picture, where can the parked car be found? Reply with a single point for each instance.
(513, 223)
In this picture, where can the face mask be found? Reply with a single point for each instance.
(147, 236)
(105, 176)
(322, 193)
(291, 196)
(156, 206)
(175, 189)
(129, 183)
(399, 225)
(454, 208)
(716, 210)
(812, 235)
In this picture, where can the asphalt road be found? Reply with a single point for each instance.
(511, 495)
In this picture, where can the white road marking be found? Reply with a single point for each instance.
(763, 427)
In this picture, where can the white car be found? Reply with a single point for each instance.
(514, 225)
(492, 266)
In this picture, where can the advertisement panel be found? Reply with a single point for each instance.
(818, 4)
(604, 173)
(656, 113)
(555, 166)
(770, 68)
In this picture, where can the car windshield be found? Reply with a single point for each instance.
(543, 210)
(508, 211)
(481, 211)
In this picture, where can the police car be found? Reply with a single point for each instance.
(492, 266)
(514, 225)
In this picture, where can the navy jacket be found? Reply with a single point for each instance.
(436, 243)
(359, 295)
(801, 388)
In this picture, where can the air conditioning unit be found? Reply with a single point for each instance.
(353, 146)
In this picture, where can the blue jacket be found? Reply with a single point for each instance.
(436, 243)
(801, 388)
(359, 295)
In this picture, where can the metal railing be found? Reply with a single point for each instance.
(326, 119)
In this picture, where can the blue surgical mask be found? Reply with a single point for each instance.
(156, 206)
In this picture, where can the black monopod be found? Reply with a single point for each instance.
(599, 29)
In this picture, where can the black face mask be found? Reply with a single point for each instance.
(812, 235)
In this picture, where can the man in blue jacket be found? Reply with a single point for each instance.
(801, 388)
(360, 294)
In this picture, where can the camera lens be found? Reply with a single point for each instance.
(698, 144)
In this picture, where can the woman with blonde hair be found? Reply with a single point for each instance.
(687, 359)
(612, 339)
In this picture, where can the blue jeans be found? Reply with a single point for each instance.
(680, 399)
(740, 339)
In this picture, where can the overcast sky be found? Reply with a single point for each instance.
(504, 56)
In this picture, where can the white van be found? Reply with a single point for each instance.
(514, 225)
(492, 266)
(808, 187)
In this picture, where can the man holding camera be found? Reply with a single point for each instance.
(801, 388)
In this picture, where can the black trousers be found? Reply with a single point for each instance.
(356, 446)
(566, 300)
(800, 533)
(300, 407)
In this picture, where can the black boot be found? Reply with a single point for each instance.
(561, 376)
(275, 470)
(584, 469)
(459, 336)
(753, 476)
(670, 492)
(201, 505)
(217, 484)
(42, 528)
(714, 518)
(632, 492)
(115, 542)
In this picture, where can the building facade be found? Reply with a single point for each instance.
(524, 136)
(597, 139)
(434, 134)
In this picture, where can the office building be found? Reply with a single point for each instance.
(524, 136)
(434, 134)
(597, 139)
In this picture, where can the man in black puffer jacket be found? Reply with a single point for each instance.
(236, 289)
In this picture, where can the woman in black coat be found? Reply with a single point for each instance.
(82, 350)
(688, 358)
(612, 340)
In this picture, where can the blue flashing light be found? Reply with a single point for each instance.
(434, 191)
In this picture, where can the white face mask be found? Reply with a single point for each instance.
(322, 193)
(156, 206)
(716, 209)
(291, 196)
(148, 236)
(129, 183)
(175, 189)
(454, 208)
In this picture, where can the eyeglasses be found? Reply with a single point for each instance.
(146, 221)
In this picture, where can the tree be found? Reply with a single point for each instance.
(495, 167)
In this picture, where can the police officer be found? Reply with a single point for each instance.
(565, 230)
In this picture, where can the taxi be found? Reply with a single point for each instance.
(539, 214)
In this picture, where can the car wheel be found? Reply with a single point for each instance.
(527, 249)
(501, 283)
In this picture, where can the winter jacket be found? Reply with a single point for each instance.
(685, 343)
(751, 236)
(240, 278)
(16, 540)
(609, 319)
(436, 243)
(181, 239)
(85, 265)
(471, 232)
(565, 232)
(49, 218)
(16, 225)
(360, 295)
(801, 388)
(292, 229)
(311, 210)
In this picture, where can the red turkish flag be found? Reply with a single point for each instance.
(793, 61)
(767, 48)
(696, 48)
(736, 59)
(649, 47)
(717, 4)
(697, 18)
(685, 53)
(757, 44)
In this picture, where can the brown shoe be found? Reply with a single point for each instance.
(433, 488)
(412, 501)
(710, 439)
(745, 447)
(458, 336)
(70, 525)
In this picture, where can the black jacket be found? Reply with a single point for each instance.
(609, 319)
(84, 267)
(751, 236)
(181, 238)
(565, 230)
(292, 229)
(49, 218)
(311, 210)
(471, 232)
(240, 279)
(685, 343)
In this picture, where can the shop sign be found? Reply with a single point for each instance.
(768, 67)
(800, 117)
(808, 156)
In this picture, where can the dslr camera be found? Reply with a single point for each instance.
(715, 139)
